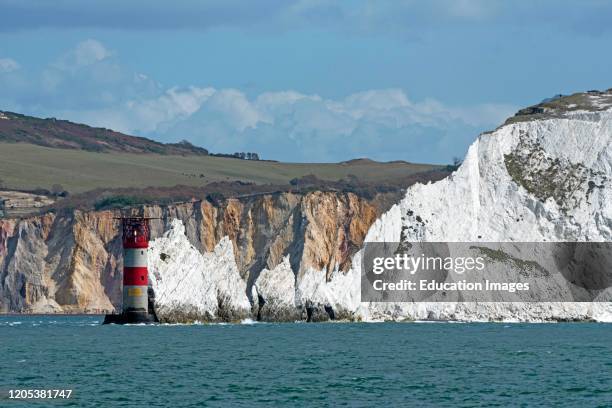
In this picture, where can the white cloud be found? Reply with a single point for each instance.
(90, 51)
(90, 85)
(382, 124)
(235, 108)
(85, 54)
(144, 116)
(8, 65)
(173, 105)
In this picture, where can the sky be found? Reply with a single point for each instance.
(303, 81)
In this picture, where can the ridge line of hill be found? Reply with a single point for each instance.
(58, 133)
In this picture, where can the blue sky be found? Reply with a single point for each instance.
(311, 81)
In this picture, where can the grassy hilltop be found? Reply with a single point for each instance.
(92, 164)
(27, 166)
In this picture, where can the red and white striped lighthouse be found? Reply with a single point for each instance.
(135, 272)
(135, 238)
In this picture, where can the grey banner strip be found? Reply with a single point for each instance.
(486, 272)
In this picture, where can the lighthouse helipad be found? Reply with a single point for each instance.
(136, 306)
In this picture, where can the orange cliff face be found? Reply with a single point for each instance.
(71, 262)
(7, 228)
(55, 263)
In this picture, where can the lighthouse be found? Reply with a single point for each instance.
(135, 239)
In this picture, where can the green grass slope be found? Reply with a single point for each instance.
(27, 166)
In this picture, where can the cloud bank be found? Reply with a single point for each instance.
(89, 84)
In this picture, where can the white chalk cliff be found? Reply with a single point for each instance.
(546, 175)
(192, 285)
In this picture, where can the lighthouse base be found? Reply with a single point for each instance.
(131, 317)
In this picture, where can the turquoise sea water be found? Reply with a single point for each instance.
(386, 364)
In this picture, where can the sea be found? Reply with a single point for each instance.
(304, 364)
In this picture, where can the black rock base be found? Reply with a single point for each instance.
(130, 317)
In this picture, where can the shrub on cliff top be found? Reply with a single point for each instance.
(116, 202)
